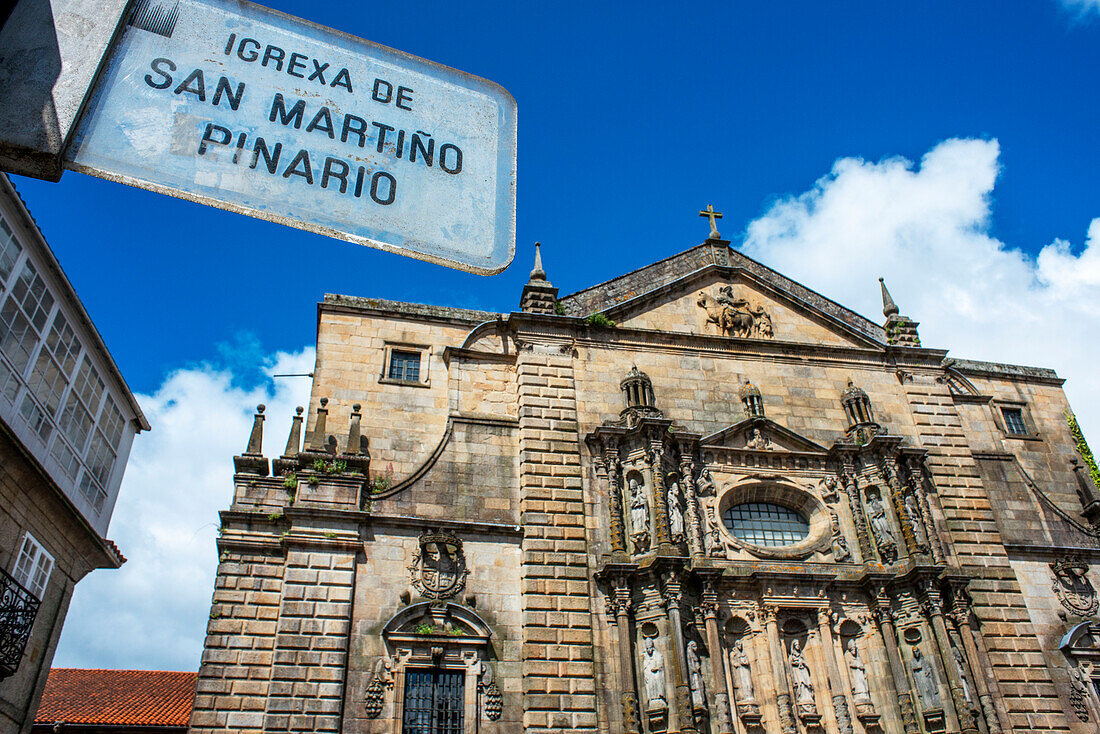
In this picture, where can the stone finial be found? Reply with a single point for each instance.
(353, 431)
(538, 295)
(889, 308)
(289, 460)
(900, 330)
(750, 398)
(638, 397)
(317, 438)
(252, 461)
(857, 407)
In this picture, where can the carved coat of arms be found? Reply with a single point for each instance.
(439, 566)
(1072, 586)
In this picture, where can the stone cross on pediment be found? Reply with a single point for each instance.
(712, 215)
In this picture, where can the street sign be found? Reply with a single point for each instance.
(234, 105)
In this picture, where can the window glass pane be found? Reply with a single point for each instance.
(76, 421)
(404, 366)
(9, 385)
(433, 702)
(35, 418)
(33, 567)
(92, 491)
(9, 253)
(765, 524)
(111, 421)
(62, 342)
(66, 458)
(17, 338)
(88, 385)
(30, 291)
(1014, 421)
(100, 459)
(47, 382)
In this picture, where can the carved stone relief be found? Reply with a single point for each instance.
(492, 702)
(674, 501)
(924, 680)
(801, 682)
(380, 682)
(653, 676)
(857, 673)
(840, 545)
(438, 570)
(695, 677)
(735, 316)
(639, 516)
(880, 527)
(1078, 695)
(1072, 586)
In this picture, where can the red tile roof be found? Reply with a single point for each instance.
(129, 697)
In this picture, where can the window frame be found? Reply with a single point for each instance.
(29, 581)
(423, 378)
(766, 524)
(1001, 421)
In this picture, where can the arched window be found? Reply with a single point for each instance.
(765, 524)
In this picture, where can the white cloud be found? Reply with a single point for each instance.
(1082, 7)
(152, 613)
(926, 229)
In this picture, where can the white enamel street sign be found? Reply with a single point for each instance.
(231, 104)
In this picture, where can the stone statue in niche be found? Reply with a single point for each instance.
(653, 675)
(742, 673)
(960, 669)
(757, 441)
(695, 677)
(800, 678)
(880, 526)
(1072, 586)
(840, 545)
(704, 485)
(857, 673)
(917, 521)
(675, 510)
(925, 681)
(639, 517)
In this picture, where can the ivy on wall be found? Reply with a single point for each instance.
(1083, 447)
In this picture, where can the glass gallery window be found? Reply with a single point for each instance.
(765, 524)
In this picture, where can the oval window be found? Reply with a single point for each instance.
(765, 524)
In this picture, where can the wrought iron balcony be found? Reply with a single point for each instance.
(18, 608)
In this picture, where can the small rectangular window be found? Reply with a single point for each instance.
(404, 366)
(33, 566)
(1014, 421)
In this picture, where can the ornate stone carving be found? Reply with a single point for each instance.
(492, 702)
(1072, 586)
(915, 519)
(756, 440)
(960, 670)
(880, 527)
(1078, 695)
(674, 500)
(695, 677)
(857, 673)
(735, 316)
(840, 545)
(828, 489)
(924, 680)
(742, 673)
(438, 570)
(653, 676)
(639, 517)
(801, 682)
(704, 484)
(380, 682)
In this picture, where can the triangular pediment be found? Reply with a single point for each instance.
(761, 434)
(715, 291)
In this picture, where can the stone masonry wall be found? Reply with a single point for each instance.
(558, 671)
(1018, 662)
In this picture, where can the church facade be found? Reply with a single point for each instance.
(699, 497)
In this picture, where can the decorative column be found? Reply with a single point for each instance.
(687, 479)
(680, 716)
(893, 481)
(851, 488)
(884, 624)
(979, 663)
(779, 670)
(654, 472)
(932, 606)
(836, 684)
(620, 603)
(723, 712)
(611, 467)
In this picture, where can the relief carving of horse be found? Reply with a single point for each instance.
(731, 316)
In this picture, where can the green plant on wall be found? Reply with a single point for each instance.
(1083, 447)
(598, 319)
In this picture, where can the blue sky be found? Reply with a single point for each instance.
(631, 118)
(950, 147)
